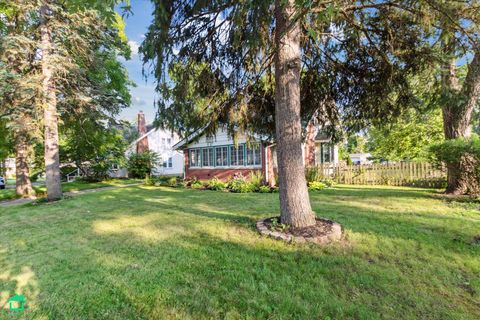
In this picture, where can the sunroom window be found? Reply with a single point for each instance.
(221, 154)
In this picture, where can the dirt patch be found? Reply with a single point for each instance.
(323, 232)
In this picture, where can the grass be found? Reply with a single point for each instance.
(8, 194)
(159, 253)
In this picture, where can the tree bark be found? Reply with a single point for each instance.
(458, 105)
(294, 199)
(23, 185)
(52, 157)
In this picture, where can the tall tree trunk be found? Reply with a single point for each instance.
(458, 105)
(23, 184)
(52, 157)
(294, 199)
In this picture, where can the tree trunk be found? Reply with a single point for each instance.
(52, 157)
(458, 105)
(23, 184)
(294, 199)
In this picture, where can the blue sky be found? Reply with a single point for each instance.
(142, 95)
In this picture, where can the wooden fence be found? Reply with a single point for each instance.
(418, 174)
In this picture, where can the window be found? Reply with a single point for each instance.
(225, 156)
(236, 155)
(170, 162)
(221, 156)
(326, 150)
(169, 142)
(257, 154)
(254, 156)
(207, 157)
(194, 157)
(163, 141)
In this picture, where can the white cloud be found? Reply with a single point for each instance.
(134, 47)
(139, 101)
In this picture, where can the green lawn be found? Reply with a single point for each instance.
(8, 194)
(160, 253)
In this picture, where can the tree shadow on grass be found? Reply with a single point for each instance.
(153, 255)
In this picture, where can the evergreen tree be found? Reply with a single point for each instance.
(19, 88)
(324, 61)
(72, 45)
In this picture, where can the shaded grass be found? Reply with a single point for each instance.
(79, 185)
(160, 253)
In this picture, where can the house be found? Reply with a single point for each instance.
(7, 167)
(17, 302)
(159, 141)
(361, 158)
(219, 156)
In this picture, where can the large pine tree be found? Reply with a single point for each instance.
(308, 60)
(70, 45)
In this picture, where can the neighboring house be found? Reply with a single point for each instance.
(361, 158)
(159, 141)
(218, 156)
(8, 167)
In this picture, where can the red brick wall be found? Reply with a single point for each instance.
(142, 145)
(310, 145)
(222, 174)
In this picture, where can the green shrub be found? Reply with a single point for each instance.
(264, 189)
(149, 181)
(461, 153)
(34, 177)
(239, 184)
(197, 185)
(256, 180)
(451, 151)
(187, 183)
(328, 182)
(140, 165)
(276, 225)
(216, 184)
(172, 182)
(313, 174)
(316, 186)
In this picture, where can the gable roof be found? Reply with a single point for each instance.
(196, 134)
(152, 130)
(200, 132)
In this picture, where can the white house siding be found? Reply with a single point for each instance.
(161, 142)
(220, 138)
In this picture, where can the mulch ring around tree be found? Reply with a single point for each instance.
(323, 232)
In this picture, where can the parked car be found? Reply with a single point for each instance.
(2, 183)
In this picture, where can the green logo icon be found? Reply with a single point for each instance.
(17, 303)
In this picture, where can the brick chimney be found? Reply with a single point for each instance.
(142, 145)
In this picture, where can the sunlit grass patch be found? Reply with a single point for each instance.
(162, 253)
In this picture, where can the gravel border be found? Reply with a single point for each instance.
(334, 235)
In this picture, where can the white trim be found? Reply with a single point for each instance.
(141, 138)
(227, 167)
